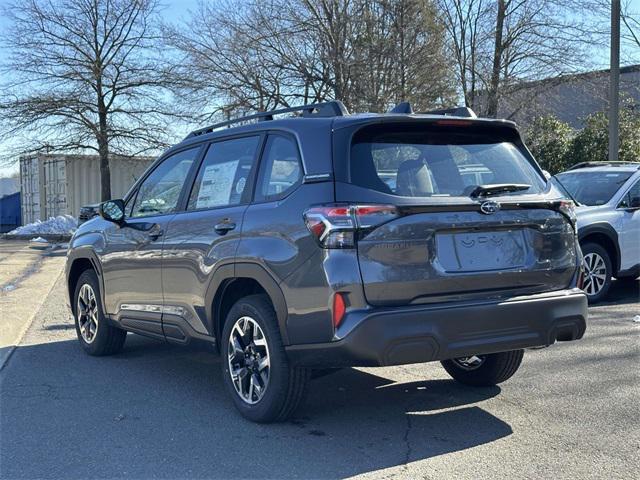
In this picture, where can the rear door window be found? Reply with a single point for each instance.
(223, 177)
(419, 161)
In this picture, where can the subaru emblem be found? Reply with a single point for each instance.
(489, 207)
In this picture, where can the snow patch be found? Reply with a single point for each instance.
(62, 224)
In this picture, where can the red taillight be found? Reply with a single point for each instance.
(568, 209)
(337, 211)
(369, 216)
(334, 226)
(316, 226)
(339, 308)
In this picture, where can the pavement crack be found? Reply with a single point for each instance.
(407, 441)
(15, 282)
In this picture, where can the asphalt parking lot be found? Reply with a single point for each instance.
(160, 411)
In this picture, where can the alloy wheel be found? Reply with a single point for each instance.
(595, 273)
(469, 363)
(248, 358)
(87, 312)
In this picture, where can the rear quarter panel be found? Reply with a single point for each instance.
(276, 238)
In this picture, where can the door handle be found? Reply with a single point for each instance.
(223, 227)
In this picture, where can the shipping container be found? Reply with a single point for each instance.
(55, 185)
(30, 189)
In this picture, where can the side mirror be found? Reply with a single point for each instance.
(546, 174)
(112, 210)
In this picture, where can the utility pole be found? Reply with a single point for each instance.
(614, 82)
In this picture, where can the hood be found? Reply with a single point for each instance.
(587, 214)
(587, 209)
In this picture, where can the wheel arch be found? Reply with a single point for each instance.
(604, 235)
(77, 263)
(233, 282)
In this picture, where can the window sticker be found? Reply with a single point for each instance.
(216, 184)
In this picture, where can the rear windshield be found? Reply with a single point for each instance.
(426, 161)
(593, 188)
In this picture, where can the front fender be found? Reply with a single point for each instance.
(83, 247)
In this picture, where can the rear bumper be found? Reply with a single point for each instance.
(416, 334)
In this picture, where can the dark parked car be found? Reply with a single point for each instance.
(331, 240)
(87, 212)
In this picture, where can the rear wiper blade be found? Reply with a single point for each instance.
(498, 188)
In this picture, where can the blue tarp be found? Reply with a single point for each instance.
(10, 215)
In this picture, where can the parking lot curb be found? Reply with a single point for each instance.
(4, 359)
(51, 237)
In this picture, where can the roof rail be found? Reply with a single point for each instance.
(604, 163)
(405, 107)
(454, 112)
(402, 107)
(333, 108)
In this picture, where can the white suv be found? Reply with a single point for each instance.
(608, 199)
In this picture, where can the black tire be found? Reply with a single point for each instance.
(107, 339)
(595, 249)
(494, 369)
(286, 384)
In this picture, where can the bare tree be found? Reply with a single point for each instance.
(630, 17)
(629, 27)
(83, 75)
(263, 54)
(401, 57)
(505, 44)
(244, 57)
(468, 30)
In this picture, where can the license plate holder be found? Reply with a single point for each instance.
(461, 252)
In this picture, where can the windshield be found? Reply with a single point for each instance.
(593, 188)
(423, 161)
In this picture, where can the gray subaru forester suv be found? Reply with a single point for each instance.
(325, 240)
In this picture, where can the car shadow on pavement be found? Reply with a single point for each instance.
(622, 292)
(161, 411)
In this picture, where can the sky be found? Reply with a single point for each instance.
(172, 10)
(175, 10)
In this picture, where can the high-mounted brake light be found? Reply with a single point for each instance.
(335, 226)
(454, 123)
